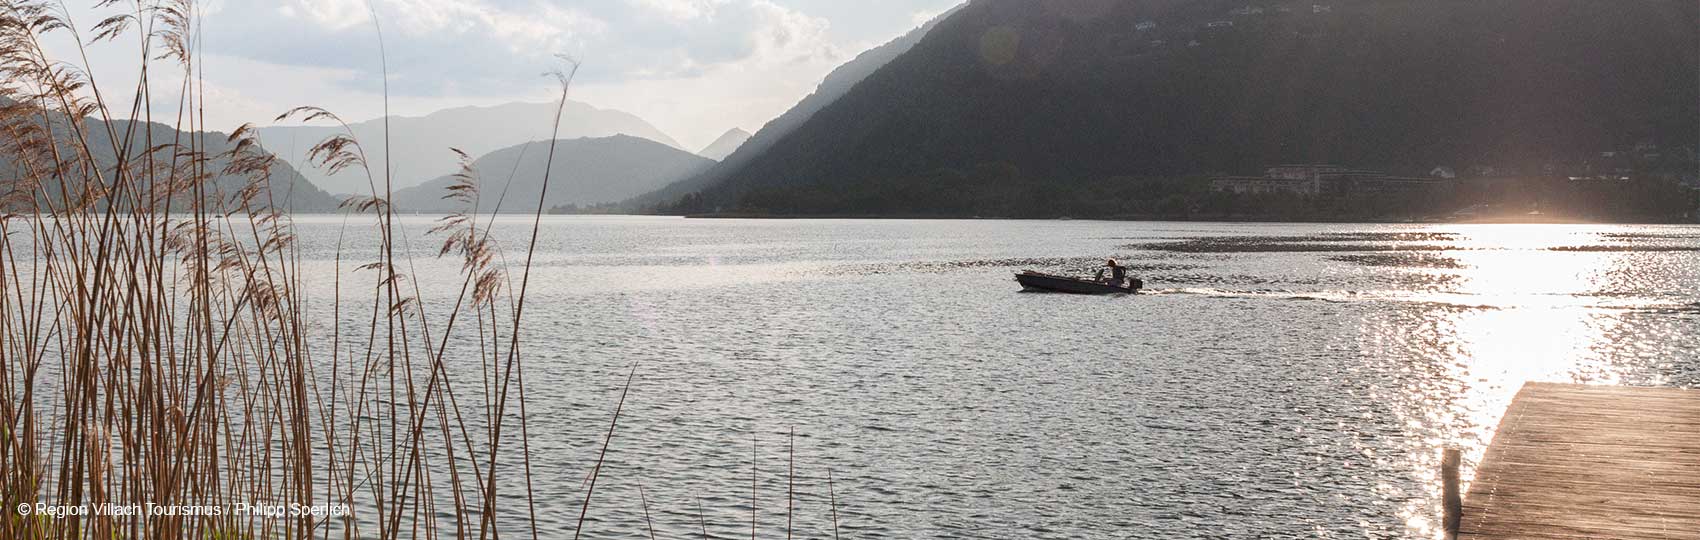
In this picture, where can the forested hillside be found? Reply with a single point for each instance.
(1034, 108)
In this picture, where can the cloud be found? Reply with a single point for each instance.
(485, 45)
(692, 67)
(329, 14)
(679, 11)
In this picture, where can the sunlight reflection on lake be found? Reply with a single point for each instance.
(1545, 313)
(1274, 381)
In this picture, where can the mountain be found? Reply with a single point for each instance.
(1022, 107)
(421, 144)
(725, 145)
(834, 86)
(587, 171)
(286, 187)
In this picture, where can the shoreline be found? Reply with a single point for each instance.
(1504, 220)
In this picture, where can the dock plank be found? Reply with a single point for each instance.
(1573, 462)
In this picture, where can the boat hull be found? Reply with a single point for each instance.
(1040, 282)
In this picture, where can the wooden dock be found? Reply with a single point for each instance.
(1576, 462)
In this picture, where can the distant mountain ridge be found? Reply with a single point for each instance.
(1009, 102)
(724, 145)
(422, 144)
(286, 189)
(586, 172)
(834, 86)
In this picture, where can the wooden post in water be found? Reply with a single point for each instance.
(1451, 501)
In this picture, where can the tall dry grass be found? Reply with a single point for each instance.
(155, 345)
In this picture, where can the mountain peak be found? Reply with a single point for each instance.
(836, 84)
(725, 145)
(1080, 106)
(586, 171)
(421, 143)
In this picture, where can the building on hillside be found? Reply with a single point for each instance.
(1220, 24)
(1294, 179)
(1313, 171)
(1246, 11)
(1321, 8)
(1392, 185)
(1443, 172)
(1322, 179)
(1600, 178)
(1262, 185)
(1145, 25)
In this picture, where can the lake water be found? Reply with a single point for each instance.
(1274, 381)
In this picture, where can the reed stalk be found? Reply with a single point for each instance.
(157, 341)
(159, 345)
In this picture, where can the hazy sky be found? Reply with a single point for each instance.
(694, 68)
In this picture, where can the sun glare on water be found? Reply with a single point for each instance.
(1543, 310)
(1532, 303)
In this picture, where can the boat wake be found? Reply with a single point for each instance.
(1447, 299)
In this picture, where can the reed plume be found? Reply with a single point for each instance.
(159, 345)
(156, 344)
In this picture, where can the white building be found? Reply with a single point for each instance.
(1321, 179)
(1258, 185)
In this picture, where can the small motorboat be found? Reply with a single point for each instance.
(1042, 282)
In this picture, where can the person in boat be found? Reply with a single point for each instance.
(1118, 273)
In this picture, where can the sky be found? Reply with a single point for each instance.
(693, 68)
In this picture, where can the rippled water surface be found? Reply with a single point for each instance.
(1273, 381)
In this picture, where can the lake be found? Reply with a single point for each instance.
(1273, 381)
